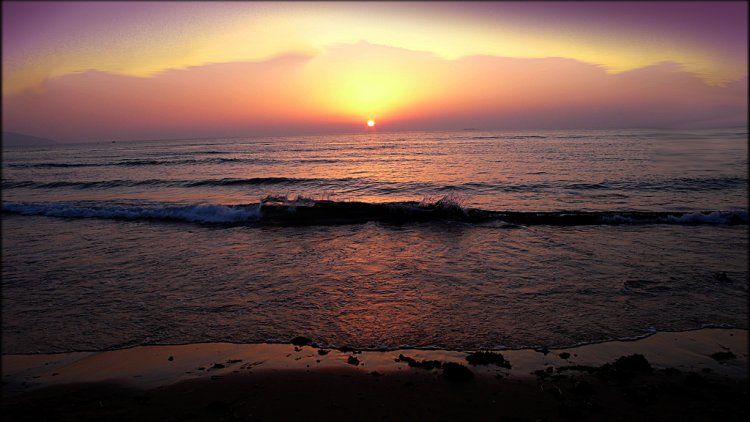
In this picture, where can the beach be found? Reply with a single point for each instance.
(166, 280)
(691, 375)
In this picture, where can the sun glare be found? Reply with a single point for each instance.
(371, 123)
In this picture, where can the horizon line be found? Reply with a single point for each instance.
(370, 132)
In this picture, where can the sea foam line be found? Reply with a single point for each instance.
(306, 211)
(202, 213)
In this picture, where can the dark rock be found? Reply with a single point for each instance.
(722, 356)
(322, 352)
(218, 366)
(541, 373)
(633, 363)
(543, 350)
(625, 368)
(301, 341)
(456, 372)
(352, 361)
(486, 358)
(425, 364)
(347, 349)
(564, 355)
(171, 358)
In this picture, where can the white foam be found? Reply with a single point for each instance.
(715, 217)
(203, 213)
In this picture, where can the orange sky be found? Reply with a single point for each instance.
(168, 70)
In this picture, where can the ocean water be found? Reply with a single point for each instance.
(458, 240)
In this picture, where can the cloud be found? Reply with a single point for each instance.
(340, 88)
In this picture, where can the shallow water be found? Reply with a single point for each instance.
(127, 275)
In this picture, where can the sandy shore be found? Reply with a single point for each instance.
(693, 375)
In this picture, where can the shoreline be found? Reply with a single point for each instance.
(316, 345)
(678, 374)
(150, 366)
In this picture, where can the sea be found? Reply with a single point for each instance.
(459, 240)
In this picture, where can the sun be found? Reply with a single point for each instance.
(371, 123)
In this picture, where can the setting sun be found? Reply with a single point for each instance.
(522, 147)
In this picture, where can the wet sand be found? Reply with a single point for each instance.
(693, 375)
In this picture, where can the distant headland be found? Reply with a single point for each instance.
(12, 139)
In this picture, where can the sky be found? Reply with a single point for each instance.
(101, 71)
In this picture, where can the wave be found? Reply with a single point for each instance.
(103, 184)
(305, 211)
(576, 218)
(527, 137)
(504, 137)
(216, 160)
(134, 163)
(203, 213)
(668, 185)
(51, 165)
(262, 181)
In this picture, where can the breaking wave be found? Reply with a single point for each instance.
(305, 211)
(203, 213)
